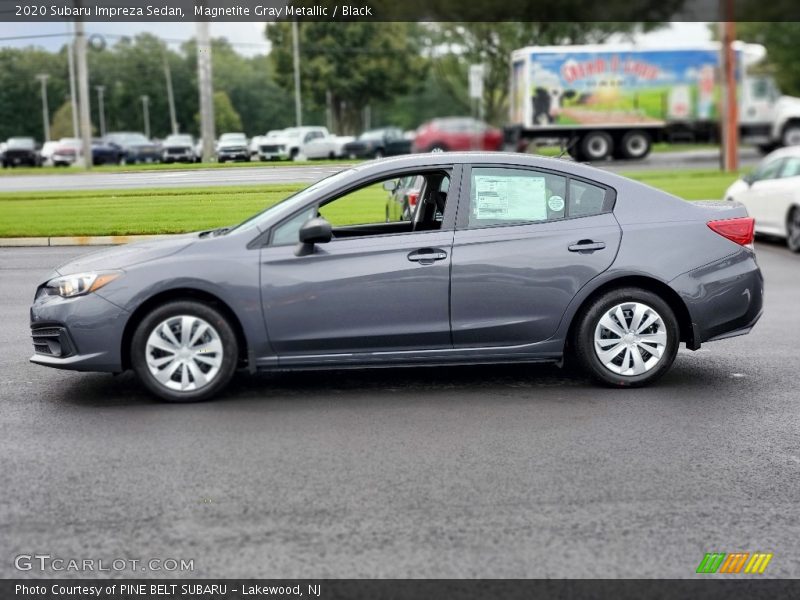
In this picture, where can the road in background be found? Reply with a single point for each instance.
(514, 471)
(693, 159)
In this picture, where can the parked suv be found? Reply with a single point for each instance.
(21, 151)
(134, 147)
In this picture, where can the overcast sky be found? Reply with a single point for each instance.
(249, 37)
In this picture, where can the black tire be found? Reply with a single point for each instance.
(766, 148)
(634, 145)
(596, 145)
(584, 338)
(793, 230)
(230, 349)
(379, 153)
(438, 147)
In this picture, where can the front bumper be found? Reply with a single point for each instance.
(82, 333)
(725, 298)
(233, 155)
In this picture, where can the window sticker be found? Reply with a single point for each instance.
(556, 203)
(510, 198)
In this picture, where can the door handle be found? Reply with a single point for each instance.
(586, 246)
(427, 256)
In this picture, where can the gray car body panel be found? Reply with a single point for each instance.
(505, 294)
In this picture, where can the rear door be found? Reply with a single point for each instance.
(527, 240)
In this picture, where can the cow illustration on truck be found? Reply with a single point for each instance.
(616, 100)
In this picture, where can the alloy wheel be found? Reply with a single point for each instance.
(184, 353)
(630, 339)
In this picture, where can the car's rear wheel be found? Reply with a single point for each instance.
(634, 145)
(184, 351)
(793, 230)
(628, 338)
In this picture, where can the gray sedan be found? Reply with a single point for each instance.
(506, 258)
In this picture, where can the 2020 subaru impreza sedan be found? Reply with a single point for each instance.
(505, 258)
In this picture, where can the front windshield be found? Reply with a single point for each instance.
(231, 137)
(375, 134)
(136, 138)
(178, 139)
(21, 143)
(296, 199)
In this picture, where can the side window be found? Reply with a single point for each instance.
(791, 167)
(413, 202)
(585, 199)
(768, 170)
(502, 196)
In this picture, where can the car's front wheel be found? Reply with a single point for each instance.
(627, 338)
(184, 351)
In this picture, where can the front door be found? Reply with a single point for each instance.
(377, 287)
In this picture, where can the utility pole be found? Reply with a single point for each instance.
(43, 77)
(146, 114)
(298, 103)
(206, 90)
(83, 92)
(73, 100)
(170, 96)
(730, 117)
(101, 108)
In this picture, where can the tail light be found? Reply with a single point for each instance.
(413, 197)
(738, 230)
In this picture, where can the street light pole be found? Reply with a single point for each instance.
(43, 77)
(298, 103)
(83, 92)
(204, 83)
(170, 96)
(730, 116)
(101, 106)
(72, 97)
(146, 115)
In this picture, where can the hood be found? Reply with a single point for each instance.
(788, 103)
(233, 144)
(128, 255)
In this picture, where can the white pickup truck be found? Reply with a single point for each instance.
(288, 144)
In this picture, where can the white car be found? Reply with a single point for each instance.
(771, 194)
(330, 146)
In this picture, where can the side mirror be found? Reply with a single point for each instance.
(748, 178)
(390, 185)
(314, 231)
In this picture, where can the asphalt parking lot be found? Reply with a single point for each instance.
(512, 471)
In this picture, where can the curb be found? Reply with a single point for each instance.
(78, 240)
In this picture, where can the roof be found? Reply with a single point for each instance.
(432, 159)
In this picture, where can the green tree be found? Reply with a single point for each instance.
(226, 119)
(61, 126)
(783, 51)
(349, 66)
(20, 92)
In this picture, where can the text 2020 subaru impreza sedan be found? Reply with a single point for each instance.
(505, 258)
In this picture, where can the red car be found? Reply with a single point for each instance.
(457, 133)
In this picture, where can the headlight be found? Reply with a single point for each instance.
(79, 284)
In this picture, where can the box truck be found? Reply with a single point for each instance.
(615, 100)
